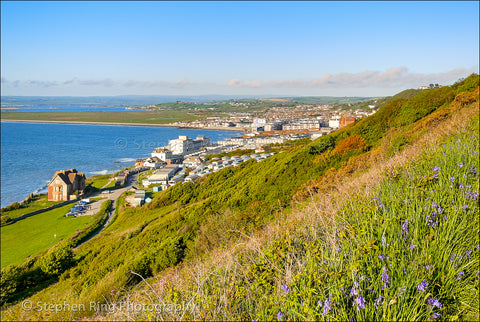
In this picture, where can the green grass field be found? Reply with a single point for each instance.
(40, 202)
(156, 117)
(33, 235)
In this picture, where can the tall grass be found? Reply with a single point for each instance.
(406, 250)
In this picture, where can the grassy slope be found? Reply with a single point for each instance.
(189, 220)
(36, 234)
(333, 248)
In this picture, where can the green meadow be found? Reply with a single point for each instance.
(33, 235)
(39, 202)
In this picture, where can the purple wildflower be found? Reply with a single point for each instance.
(473, 169)
(465, 207)
(460, 274)
(326, 307)
(452, 257)
(422, 286)
(378, 301)
(385, 278)
(411, 247)
(452, 178)
(285, 288)
(280, 315)
(383, 257)
(435, 315)
(436, 169)
(432, 302)
(405, 229)
(353, 291)
(427, 267)
(401, 290)
(359, 302)
(468, 253)
(477, 247)
(460, 165)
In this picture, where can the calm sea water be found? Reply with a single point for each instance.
(32, 152)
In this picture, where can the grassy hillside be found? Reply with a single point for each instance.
(249, 243)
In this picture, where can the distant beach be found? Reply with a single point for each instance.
(129, 124)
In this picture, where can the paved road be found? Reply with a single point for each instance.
(95, 206)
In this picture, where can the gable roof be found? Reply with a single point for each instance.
(68, 177)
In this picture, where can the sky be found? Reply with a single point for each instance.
(311, 48)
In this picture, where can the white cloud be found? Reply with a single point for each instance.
(368, 81)
(393, 77)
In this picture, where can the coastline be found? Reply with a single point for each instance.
(41, 190)
(129, 124)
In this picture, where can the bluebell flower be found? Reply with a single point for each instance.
(401, 290)
(385, 278)
(405, 229)
(468, 253)
(460, 274)
(378, 301)
(359, 302)
(422, 286)
(285, 288)
(353, 291)
(465, 207)
(452, 178)
(435, 315)
(280, 315)
(460, 165)
(436, 169)
(383, 257)
(432, 302)
(412, 247)
(326, 307)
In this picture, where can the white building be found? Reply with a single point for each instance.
(334, 123)
(161, 176)
(163, 154)
(184, 145)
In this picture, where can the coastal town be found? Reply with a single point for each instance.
(187, 159)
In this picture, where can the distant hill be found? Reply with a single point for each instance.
(328, 99)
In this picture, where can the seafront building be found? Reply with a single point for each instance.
(66, 185)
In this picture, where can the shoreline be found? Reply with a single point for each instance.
(129, 124)
(39, 191)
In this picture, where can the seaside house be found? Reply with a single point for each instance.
(66, 185)
(139, 198)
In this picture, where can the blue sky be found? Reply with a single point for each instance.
(193, 48)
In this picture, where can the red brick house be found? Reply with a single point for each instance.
(66, 183)
(346, 120)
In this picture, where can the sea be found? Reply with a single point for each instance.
(32, 152)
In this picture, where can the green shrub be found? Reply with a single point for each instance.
(57, 259)
(321, 145)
